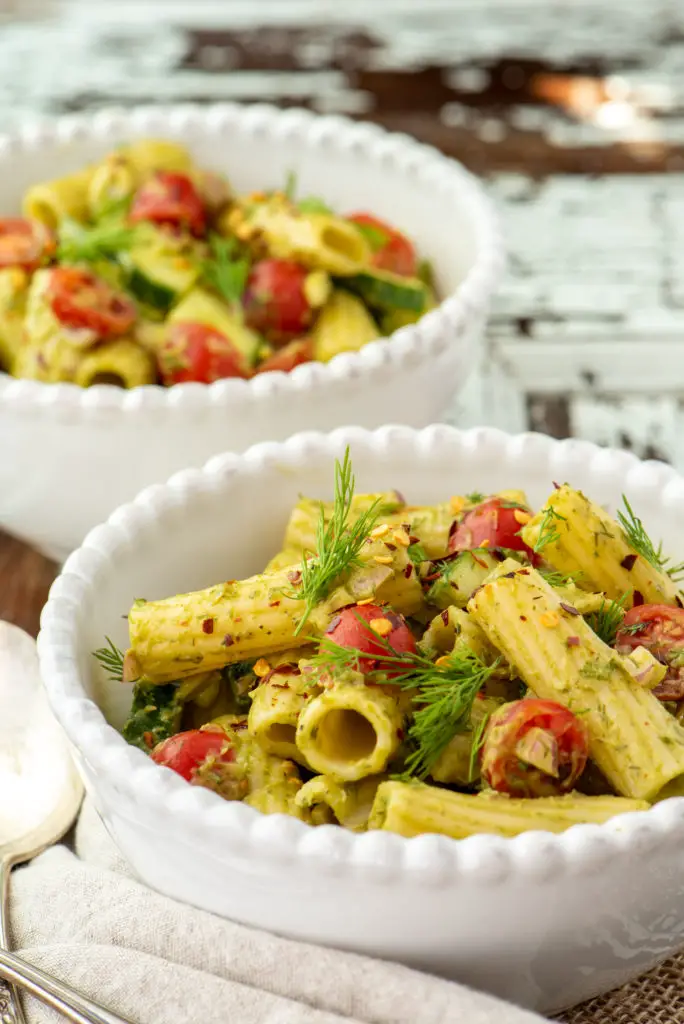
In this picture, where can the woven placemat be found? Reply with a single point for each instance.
(655, 998)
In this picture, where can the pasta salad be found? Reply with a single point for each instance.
(468, 667)
(144, 269)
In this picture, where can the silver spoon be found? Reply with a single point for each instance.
(40, 795)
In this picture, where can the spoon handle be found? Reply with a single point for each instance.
(10, 1005)
(61, 997)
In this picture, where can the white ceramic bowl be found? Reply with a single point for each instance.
(70, 456)
(542, 919)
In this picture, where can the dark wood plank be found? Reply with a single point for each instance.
(25, 578)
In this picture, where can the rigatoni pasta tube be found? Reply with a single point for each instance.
(64, 198)
(579, 536)
(635, 742)
(413, 809)
(279, 798)
(276, 705)
(122, 363)
(430, 524)
(180, 636)
(351, 730)
(13, 294)
(343, 325)
(339, 803)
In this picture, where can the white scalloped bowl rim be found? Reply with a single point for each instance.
(425, 339)
(432, 858)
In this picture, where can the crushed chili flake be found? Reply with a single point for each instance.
(573, 641)
(570, 609)
(273, 604)
(294, 576)
(208, 626)
(400, 734)
(261, 668)
(390, 547)
(678, 601)
(556, 486)
(444, 660)
(408, 570)
(445, 616)
(479, 561)
(485, 543)
(628, 562)
(637, 598)
(549, 619)
(498, 554)
(148, 739)
(413, 539)
(523, 618)
(227, 641)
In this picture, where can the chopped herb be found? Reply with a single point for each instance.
(477, 745)
(290, 189)
(426, 273)
(597, 669)
(547, 532)
(312, 204)
(241, 680)
(338, 543)
(607, 620)
(375, 236)
(155, 715)
(637, 538)
(112, 660)
(79, 244)
(475, 498)
(416, 553)
(227, 270)
(560, 579)
(634, 629)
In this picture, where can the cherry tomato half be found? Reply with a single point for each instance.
(495, 524)
(391, 250)
(274, 301)
(169, 198)
(25, 243)
(660, 629)
(81, 299)
(348, 629)
(534, 748)
(197, 352)
(186, 752)
(294, 354)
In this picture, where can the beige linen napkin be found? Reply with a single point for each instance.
(84, 917)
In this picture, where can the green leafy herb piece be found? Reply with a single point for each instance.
(639, 540)
(426, 273)
(607, 620)
(241, 681)
(416, 553)
(312, 204)
(227, 270)
(156, 714)
(560, 579)
(78, 244)
(634, 629)
(290, 189)
(112, 660)
(443, 692)
(548, 534)
(375, 236)
(477, 745)
(338, 543)
(475, 498)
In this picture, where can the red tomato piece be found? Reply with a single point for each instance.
(82, 300)
(169, 198)
(348, 629)
(659, 628)
(186, 752)
(391, 250)
(294, 354)
(197, 352)
(274, 301)
(25, 243)
(492, 524)
(534, 748)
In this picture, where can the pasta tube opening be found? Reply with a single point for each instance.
(346, 735)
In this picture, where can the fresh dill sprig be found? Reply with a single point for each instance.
(548, 534)
(338, 542)
(607, 620)
(79, 244)
(443, 691)
(560, 579)
(112, 660)
(309, 204)
(475, 498)
(477, 745)
(639, 540)
(634, 629)
(227, 270)
(417, 553)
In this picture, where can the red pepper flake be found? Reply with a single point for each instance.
(573, 641)
(295, 577)
(523, 618)
(414, 540)
(273, 604)
(445, 616)
(678, 601)
(637, 598)
(227, 641)
(208, 626)
(479, 561)
(148, 739)
(498, 554)
(390, 547)
(408, 570)
(628, 562)
(557, 486)
(400, 734)
(569, 608)
(238, 618)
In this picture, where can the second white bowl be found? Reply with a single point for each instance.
(70, 456)
(546, 920)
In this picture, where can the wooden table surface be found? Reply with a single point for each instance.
(571, 111)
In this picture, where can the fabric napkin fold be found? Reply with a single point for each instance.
(81, 915)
